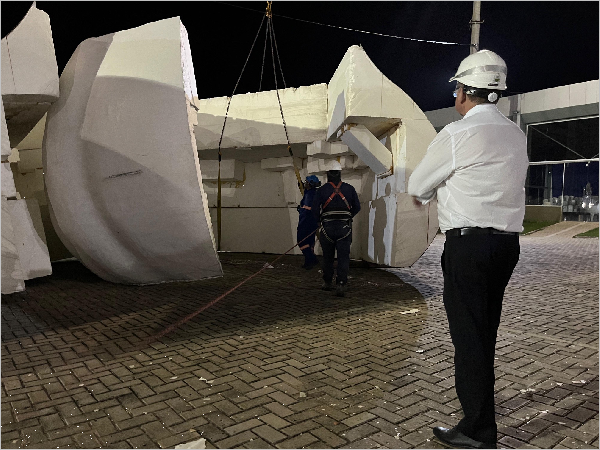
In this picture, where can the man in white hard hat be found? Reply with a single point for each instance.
(477, 168)
(334, 206)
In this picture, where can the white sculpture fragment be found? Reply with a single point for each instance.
(360, 119)
(122, 172)
(382, 116)
(29, 86)
(30, 239)
(29, 73)
(254, 120)
(12, 273)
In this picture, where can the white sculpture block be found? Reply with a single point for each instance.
(260, 189)
(321, 165)
(324, 149)
(291, 191)
(14, 156)
(359, 93)
(280, 164)
(383, 127)
(6, 150)
(12, 273)
(29, 73)
(368, 148)
(35, 137)
(358, 163)
(28, 184)
(254, 119)
(30, 160)
(8, 182)
(268, 230)
(231, 170)
(30, 239)
(422, 221)
(134, 209)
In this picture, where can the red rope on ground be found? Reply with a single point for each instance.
(208, 305)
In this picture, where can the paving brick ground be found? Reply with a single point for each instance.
(281, 364)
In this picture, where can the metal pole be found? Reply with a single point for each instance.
(475, 26)
(562, 197)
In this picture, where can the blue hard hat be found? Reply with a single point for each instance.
(313, 179)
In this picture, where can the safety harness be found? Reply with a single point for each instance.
(336, 191)
(328, 216)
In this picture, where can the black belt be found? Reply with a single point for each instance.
(328, 216)
(457, 232)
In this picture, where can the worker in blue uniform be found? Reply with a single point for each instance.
(307, 223)
(334, 206)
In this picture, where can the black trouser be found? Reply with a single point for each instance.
(339, 233)
(476, 270)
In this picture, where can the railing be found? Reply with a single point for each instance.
(570, 184)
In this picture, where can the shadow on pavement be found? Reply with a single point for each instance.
(112, 319)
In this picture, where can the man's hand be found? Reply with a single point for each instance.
(416, 202)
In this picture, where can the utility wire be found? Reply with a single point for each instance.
(277, 53)
(559, 143)
(351, 29)
(264, 52)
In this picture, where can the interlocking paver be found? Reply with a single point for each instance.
(280, 363)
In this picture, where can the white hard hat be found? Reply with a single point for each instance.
(335, 165)
(483, 69)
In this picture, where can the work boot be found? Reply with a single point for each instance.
(327, 286)
(340, 290)
(311, 263)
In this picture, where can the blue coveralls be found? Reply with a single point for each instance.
(307, 223)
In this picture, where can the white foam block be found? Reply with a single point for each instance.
(291, 191)
(29, 74)
(12, 273)
(280, 164)
(30, 238)
(257, 230)
(368, 148)
(8, 183)
(35, 137)
(6, 150)
(260, 189)
(358, 93)
(31, 67)
(231, 170)
(198, 444)
(27, 184)
(416, 227)
(254, 119)
(30, 160)
(324, 149)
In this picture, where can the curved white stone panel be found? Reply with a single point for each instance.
(122, 172)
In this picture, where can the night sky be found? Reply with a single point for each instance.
(545, 44)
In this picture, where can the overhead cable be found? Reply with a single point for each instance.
(352, 29)
(559, 143)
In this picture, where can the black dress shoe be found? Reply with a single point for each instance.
(455, 438)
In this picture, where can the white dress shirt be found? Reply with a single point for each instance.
(477, 166)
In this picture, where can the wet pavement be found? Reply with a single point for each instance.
(280, 363)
